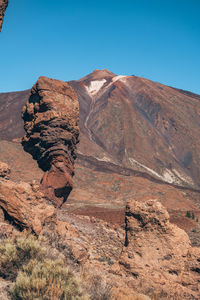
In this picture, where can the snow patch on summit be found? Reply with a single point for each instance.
(95, 86)
(118, 77)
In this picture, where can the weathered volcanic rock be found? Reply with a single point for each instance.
(51, 125)
(4, 170)
(24, 204)
(157, 254)
(3, 6)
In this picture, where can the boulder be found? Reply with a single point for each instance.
(4, 170)
(24, 205)
(157, 254)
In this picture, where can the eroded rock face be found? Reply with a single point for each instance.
(157, 254)
(51, 125)
(3, 6)
(4, 170)
(24, 204)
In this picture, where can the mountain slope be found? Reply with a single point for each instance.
(11, 123)
(131, 122)
(142, 125)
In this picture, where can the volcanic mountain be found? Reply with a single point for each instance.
(138, 138)
(130, 122)
(138, 154)
(141, 125)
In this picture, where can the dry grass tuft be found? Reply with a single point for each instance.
(25, 261)
(46, 280)
(17, 252)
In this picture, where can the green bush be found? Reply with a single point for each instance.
(47, 280)
(188, 214)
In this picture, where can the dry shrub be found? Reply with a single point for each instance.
(17, 252)
(25, 261)
(47, 280)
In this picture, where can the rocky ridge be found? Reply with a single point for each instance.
(3, 6)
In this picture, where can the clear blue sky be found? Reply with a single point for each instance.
(156, 39)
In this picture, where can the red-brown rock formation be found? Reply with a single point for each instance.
(4, 170)
(51, 125)
(22, 203)
(158, 255)
(3, 6)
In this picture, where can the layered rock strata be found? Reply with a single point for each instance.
(51, 124)
(3, 6)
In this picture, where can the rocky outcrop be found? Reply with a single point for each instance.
(3, 6)
(24, 205)
(158, 255)
(51, 124)
(4, 170)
